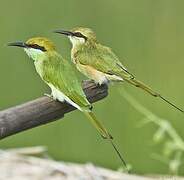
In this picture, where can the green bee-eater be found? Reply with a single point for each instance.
(58, 74)
(99, 63)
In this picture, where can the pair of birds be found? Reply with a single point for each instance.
(94, 60)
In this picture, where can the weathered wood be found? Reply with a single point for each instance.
(42, 110)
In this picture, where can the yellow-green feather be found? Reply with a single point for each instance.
(100, 58)
(58, 72)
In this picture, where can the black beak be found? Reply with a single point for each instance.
(67, 33)
(18, 44)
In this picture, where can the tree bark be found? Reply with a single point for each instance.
(43, 110)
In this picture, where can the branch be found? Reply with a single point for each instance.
(43, 110)
(34, 165)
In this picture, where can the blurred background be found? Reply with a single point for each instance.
(148, 37)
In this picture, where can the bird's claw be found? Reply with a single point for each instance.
(48, 95)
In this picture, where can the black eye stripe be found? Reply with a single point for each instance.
(36, 46)
(78, 34)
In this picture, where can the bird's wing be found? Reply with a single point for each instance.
(58, 72)
(103, 59)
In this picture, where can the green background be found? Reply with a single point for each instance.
(146, 34)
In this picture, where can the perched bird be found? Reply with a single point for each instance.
(99, 63)
(58, 74)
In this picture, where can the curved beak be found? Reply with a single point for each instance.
(18, 44)
(67, 33)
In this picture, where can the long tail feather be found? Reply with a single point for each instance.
(100, 128)
(141, 85)
(105, 134)
(119, 155)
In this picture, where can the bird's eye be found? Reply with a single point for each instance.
(78, 34)
(36, 46)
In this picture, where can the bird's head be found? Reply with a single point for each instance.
(79, 35)
(35, 47)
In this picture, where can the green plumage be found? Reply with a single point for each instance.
(100, 58)
(57, 71)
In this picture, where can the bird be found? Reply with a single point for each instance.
(59, 75)
(100, 63)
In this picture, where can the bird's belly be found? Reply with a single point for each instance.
(114, 78)
(90, 72)
(58, 95)
(97, 76)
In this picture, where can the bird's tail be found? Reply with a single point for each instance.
(99, 127)
(146, 88)
(104, 133)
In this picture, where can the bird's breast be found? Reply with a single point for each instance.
(74, 57)
(92, 73)
(39, 67)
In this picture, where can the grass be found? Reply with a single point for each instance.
(172, 142)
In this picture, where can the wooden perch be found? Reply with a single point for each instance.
(43, 110)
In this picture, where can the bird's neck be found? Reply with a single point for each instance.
(41, 62)
(83, 47)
